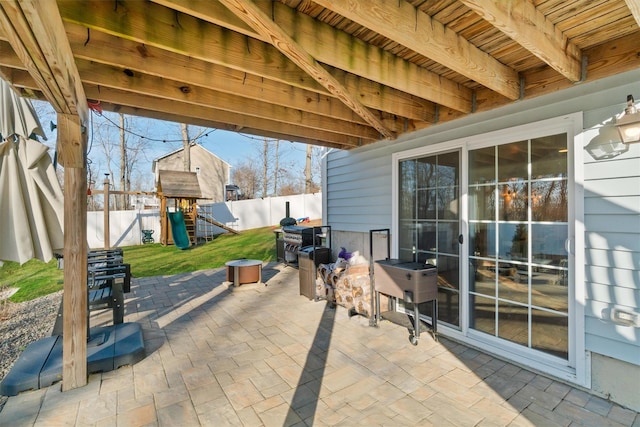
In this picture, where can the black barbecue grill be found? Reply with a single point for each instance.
(296, 237)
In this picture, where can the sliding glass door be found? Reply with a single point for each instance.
(518, 233)
(429, 224)
(515, 264)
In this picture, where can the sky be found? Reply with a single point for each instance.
(165, 137)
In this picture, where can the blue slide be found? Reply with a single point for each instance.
(179, 229)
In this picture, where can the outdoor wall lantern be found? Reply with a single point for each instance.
(606, 145)
(629, 124)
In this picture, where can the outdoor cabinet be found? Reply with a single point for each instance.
(309, 257)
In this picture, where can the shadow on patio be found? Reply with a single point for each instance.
(264, 355)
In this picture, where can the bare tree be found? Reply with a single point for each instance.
(126, 156)
(246, 177)
(307, 170)
(186, 145)
(123, 199)
(275, 169)
(265, 167)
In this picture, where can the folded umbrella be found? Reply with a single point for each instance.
(31, 200)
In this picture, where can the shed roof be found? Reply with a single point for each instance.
(179, 184)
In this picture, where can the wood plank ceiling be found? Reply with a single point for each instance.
(336, 73)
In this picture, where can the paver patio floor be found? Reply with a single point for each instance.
(264, 355)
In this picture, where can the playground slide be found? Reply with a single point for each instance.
(179, 230)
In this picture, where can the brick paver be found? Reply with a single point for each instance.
(264, 355)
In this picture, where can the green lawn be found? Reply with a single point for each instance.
(36, 278)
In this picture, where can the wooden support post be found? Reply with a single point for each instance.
(107, 242)
(72, 144)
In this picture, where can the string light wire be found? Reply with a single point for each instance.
(203, 135)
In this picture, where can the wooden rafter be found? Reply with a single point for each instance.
(107, 76)
(520, 20)
(108, 49)
(212, 44)
(240, 121)
(253, 16)
(403, 23)
(186, 42)
(634, 7)
(36, 33)
(186, 35)
(100, 78)
(212, 123)
(340, 50)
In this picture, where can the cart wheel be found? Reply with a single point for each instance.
(413, 339)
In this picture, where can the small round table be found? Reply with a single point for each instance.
(241, 271)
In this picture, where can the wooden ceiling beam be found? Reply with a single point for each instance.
(36, 34)
(340, 50)
(193, 40)
(124, 54)
(155, 25)
(150, 103)
(209, 123)
(112, 50)
(108, 76)
(22, 80)
(148, 106)
(19, 78)
(8, 57)
(253, 16)
(634, 7)
(403, 23)
(522, 22)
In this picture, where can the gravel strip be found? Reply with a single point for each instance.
(21, 324)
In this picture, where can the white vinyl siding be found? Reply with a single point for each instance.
(359, 198)
(612, 270)
(363, 206)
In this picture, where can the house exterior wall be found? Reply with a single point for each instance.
(213, 172)
(358, 198)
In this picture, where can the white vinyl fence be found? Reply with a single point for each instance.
(125, 227)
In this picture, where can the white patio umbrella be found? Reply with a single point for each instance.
(31, 201)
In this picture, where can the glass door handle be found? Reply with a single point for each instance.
(461, 239)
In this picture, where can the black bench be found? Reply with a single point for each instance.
(107, 286)
(108, 279)
(108, 347)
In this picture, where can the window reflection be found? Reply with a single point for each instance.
(429, 198)
(513, 283)
(513, 161)
(483, 311)
(549, 201)
(549, 157)
(549, 333)
(518, 226)
(482, 238)
(513, 242)
(513, 322)
(426, 204)
(482, 166)
(483, 277)
(482, 203)
(514, 201)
